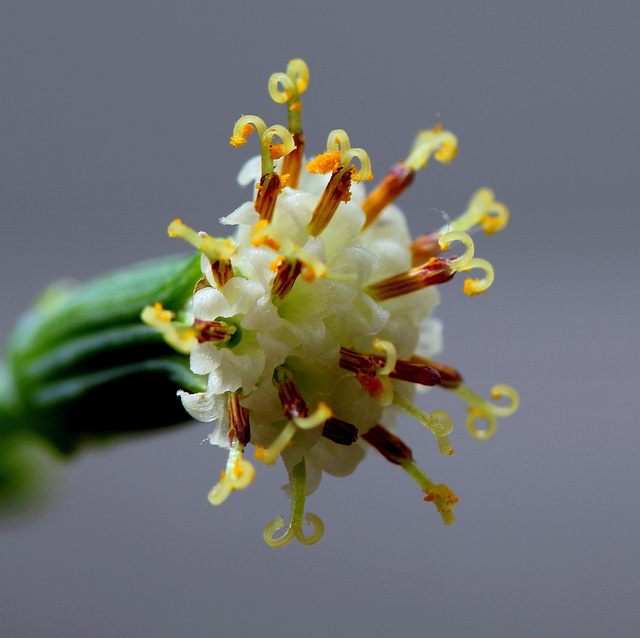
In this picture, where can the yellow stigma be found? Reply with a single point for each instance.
(444, 499)
(339, 154)
(245, 125)
(481, 408)
(179, 336)
(477, 286)
(482, 210)
(239, 137)
(443, 145)
(238, 475)
(293, 83)
(214, 249)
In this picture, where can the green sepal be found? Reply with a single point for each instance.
(82, 367)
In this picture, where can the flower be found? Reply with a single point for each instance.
(313, 324)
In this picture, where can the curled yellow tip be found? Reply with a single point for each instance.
(482, 210)
(179, 336)
(321, 414)
(502, 390)
(477, 286)
(298, 485)
(241, 475)
(443, 145)
(391, 353)
(339, 154)
(458, 263)
(481, 408)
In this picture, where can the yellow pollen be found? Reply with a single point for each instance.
(259, 453)
(324, 163)
(241, 137)
(470, 287)
(223, 474)
(296, 106)
(276, 151)
(443, 497)
(446, 153)
(276, 263)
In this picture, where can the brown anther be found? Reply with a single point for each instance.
(222, 271)
(292, 163)
(292, 402)
(268, 190)
(200, 284)
(449, 377)
(238, 420)
(339, 431)
(286, 275)
(394, 183)
(389, 445)
(368, 364)
(424, 248)
(216, 331)
(434, 272)
(336, 191)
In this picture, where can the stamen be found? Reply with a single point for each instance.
(439, 422)
(395, 182)
(179, 336)
(482, 210)
(286, 274)
(441, 144)
(440, 495)
(480, 407)
(394, 450)
(289, 394)
(298, 483)
(238, 419)
(297, 413)
(316, 419)
(339, 431)
(270, 183)
(449, 377)
(434, 272)
(420, 372)
(390, 446)
(337, 158)
(237, 475)
(294, 82)
(214, 249)
(216, 331)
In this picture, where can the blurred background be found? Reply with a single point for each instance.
(116, 118)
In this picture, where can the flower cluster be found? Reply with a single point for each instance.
(313, 324)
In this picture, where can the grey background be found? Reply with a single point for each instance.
(116, 118)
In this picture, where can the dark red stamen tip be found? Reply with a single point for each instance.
(340, 431)
(389, 445)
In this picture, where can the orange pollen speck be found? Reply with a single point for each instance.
(275, 263)
(468, 288)
(259, 453)
(324, 163)
(296, 106)
(276, 151)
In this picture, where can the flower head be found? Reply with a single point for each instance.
(312, 324)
